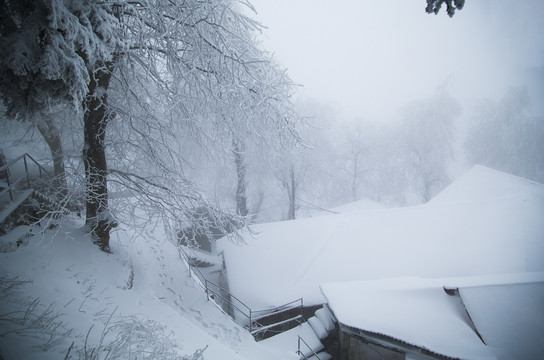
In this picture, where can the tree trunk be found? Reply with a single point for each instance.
(292, 195)
(51, 135)
(354, 177)
(95, 118)
(257, 206)
(241, 197)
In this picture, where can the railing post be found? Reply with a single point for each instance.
(301, 308)
(9, 188)
(26, 170)
(207, 292)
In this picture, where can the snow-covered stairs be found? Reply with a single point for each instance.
(268, 322)
(20, 202)
(294, 337)
(305, 341)
(26, 207)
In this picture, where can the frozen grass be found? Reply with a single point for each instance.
(62, 298)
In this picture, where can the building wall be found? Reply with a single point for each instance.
(356, 348)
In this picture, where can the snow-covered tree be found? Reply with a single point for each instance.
(185, 60)
(40, 67)
(505, 137)
(359, 153)
(433, 6)
(426, 138)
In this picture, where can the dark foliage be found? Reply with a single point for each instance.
(433, 6)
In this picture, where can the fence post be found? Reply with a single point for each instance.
(301, 307)
(249, 320)
(9, 188)
(298, 351)
(26, 170)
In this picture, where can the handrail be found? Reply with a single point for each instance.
(266, 327)
(11, 184)
(280, 307)
(13, 161)
(208, 289)
(205, 282)
(228, 301)
(247, 312)
(299, 352)
(231, 295)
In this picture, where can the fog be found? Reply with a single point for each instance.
(399, 102)
(369, 57)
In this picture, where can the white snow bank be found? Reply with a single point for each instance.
(502, 232)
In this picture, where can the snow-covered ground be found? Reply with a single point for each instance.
(60, 295)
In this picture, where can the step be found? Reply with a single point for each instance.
(326, 318)
(10, 206)
(277, 311)
(266, 327)
(321, 356)
(288, 340)
(318, 327)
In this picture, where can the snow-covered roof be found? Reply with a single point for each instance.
(506, 311)
(484, 184)
(359, 205)
(499, 231)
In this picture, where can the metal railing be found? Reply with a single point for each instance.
(241, 313)
(6, 174)
(301, 353)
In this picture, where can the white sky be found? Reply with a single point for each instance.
(371, 56)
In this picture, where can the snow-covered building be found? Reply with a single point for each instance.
(484, 317)
(485, 223)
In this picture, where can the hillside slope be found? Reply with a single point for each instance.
(60, 297)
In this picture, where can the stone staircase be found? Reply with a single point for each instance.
(20, 202)
(311, 340)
